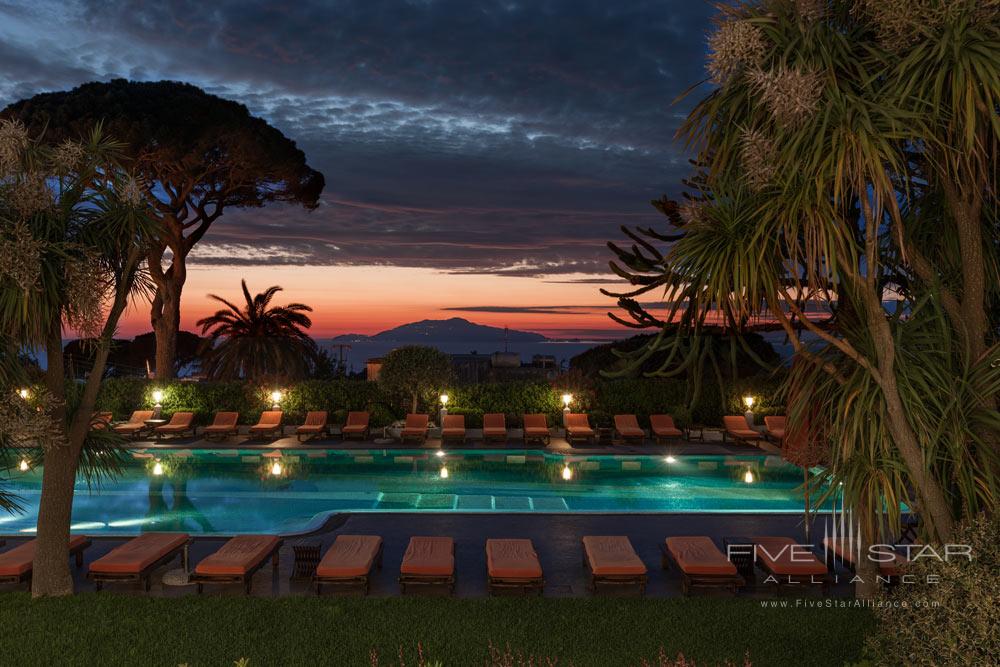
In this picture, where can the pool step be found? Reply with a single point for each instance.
(469, 503)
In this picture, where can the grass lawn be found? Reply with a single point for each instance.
(108, 629)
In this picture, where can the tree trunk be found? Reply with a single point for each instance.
(937, 511)
(413, 403)
(866, 570)
(51, 575)
(165, 314)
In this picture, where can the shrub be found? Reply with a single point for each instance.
(953, 622)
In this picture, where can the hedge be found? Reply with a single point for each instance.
(602, 400)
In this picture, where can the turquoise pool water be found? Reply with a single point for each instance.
(241, 491)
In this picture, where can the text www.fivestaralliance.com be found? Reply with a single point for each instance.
(846, 603)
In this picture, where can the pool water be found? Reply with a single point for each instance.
(249, 491)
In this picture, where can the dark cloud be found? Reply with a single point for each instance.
(510, 137)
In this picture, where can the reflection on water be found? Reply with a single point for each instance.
(230, 491)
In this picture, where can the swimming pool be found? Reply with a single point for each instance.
(250, 491)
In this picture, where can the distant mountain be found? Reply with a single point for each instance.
(455, 329)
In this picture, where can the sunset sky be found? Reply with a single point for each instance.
(477, 155)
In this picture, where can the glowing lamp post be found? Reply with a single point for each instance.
(276, 397)
(443, 398)
(24, 393)
(567, 399)
(748, 401)
(157, 403)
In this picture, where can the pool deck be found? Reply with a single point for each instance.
(712, 442)
(556, 538)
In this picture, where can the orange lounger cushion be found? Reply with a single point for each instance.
(512, 559)
(839, 547)
(612, 555)
(139, 553)
(784, 556)
(699, 555)
(350, 556)
(238, 556)
(15, 562)
(429, 556)
(628, 426)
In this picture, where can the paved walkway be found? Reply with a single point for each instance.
(710, 441)
(556, 539)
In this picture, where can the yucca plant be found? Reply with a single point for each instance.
(849, 151)
(73, 233)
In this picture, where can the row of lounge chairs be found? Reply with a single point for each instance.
(416, 427)
(429, 561)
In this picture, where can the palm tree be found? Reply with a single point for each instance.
(73, 237)
(258, 341)
(847, 155)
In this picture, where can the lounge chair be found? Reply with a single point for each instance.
(577, 427)
(663, 428)
(135, 560)
(135, 425)
(627, 429)
(612, 561)
(356, 426)
(314, 425)
(349, 561)
(789, 563)
(16, 564)
(268, 425)
(415, 428)
(453, 428)
(700, 563)
(738, 429)
(494, 428)
(236, 561)
(512, 564)
(179, 424)
(536, 428)
(838, 549)
(100, 421)
(428, 561)
(222, 426)
(774, 428)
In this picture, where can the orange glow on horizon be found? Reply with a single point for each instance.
(370, 299)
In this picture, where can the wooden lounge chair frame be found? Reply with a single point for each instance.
(497, 438)
(796, 579)
(592, 437)
(431, 580)
(262, 431)
(361, 581)
(742, 439)
(141, 427)
(234, 429)
(464, 438)
(178, 434)
(312, 434)
(246, 578)
(525, 585)
(544, 439)
(142, 577)
(422, 438)
(733, 582)
(629, 438)
(771, 437)
(616, 580)
(664, 439)
(75, 551)
(362, 435)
